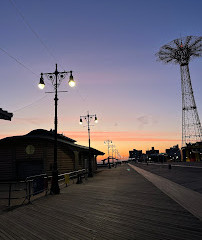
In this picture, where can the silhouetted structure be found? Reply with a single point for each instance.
(56, 78)
(135, 155)
(152, 155)
(174, 153)
(88, 119)
(5, 115)
(33, 153)
(109, 143)
(181, 51)
(152, 151)
(192, 152)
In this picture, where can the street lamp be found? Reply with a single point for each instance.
(113, 149)
(55, 78)
(108, 142)
(88, 119)
(116, 151)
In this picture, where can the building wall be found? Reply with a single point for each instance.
(15, 160)
(66, 159)
(7, 165)
(27, 157)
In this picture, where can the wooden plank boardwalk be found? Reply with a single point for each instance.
(117, 203)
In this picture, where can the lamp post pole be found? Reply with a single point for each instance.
(88, 119)
(113, 149)
(55, 189)
(55, 78)
(108, 142)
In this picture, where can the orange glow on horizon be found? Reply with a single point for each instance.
(122, 136)
(126, 141)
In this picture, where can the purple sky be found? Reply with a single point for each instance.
(110, 45)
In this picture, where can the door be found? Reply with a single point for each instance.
(29, 168)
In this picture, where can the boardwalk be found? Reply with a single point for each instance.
(117, 203)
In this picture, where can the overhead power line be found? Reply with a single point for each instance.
(21, 108)
(33, 31)
(18, 61)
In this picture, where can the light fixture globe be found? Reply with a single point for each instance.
(71, 82)
(96, 121)
(41, 84)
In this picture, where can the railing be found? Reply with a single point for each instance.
(72, 175)
(35, 185)
(6, 188)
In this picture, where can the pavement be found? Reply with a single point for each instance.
(188, 175)
(187, 198)
(117, 203)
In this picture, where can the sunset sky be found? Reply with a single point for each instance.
(110, 45)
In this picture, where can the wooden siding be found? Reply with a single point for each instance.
(20, 149)
(6, 163)
(13, 153)
(44, 150)
(65, 158)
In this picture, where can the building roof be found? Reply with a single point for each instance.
(46, 133)
(49, 135)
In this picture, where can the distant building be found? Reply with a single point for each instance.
(174, 153)
(33, 153)
(152, 151)
(152, 155)
(135, 155)
(192, 152)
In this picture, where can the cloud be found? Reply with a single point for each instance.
(146, 120)
(143, 120)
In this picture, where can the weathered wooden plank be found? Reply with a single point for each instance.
(115, 204)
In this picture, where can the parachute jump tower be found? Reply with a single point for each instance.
(181, 51)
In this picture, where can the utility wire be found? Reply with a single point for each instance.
(22, 64)
(19, 109)
(44, 45)
(33, 31)
(18, 61)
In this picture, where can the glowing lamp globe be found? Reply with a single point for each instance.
(96, 121)
(72, 83)
(41, 84)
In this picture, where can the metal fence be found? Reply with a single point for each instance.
(18, 192)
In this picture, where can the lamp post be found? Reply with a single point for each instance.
(56, 78)
(116, 151)
(108, 142)
(118, 155)
(113, 149)
(88, 119)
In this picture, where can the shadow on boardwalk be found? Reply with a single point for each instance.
(117, 203)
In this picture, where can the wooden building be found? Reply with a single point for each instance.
(33, 153)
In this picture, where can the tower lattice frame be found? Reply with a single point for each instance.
(181, 51)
